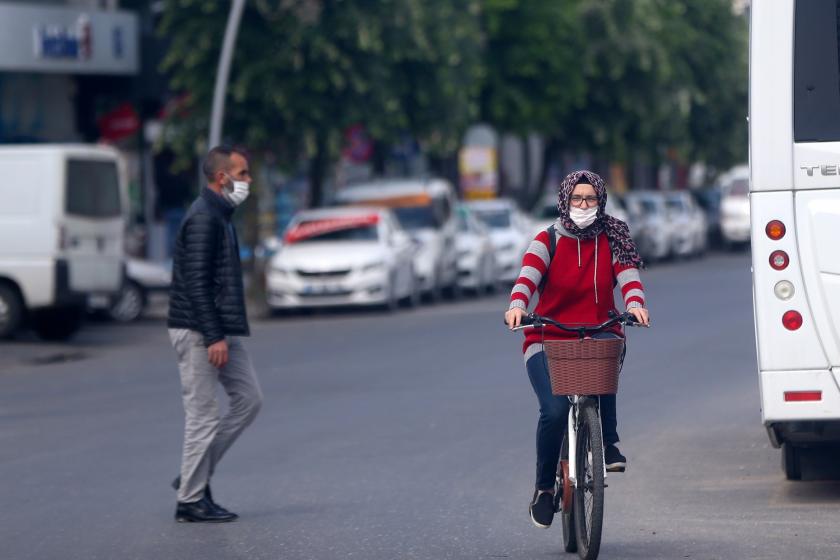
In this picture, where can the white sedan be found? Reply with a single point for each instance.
(343, 256)
(476, 254)
(510, 232)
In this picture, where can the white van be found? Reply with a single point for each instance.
(62, 218)
(426, 209)
(795, 213)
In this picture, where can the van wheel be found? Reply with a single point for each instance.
(58, 323)
(129, 304)
(791, 461)
(11, 311)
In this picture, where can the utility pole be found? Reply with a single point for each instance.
(218, 113)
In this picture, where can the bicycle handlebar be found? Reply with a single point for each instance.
(532, 320)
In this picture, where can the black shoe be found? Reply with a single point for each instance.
(207, 494)
(202, 511)
(542, 509)
(616, 462)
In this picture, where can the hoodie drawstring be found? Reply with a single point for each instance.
(596, 269)
(596, 264)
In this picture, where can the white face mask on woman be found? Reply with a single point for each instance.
(236, 192)
(583, 218)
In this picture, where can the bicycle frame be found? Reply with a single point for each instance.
(571, 436)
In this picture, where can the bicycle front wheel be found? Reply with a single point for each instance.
(589, 491)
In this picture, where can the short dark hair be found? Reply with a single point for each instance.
(219, 158)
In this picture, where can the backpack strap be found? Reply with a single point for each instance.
(552, 248)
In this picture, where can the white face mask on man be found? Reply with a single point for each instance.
(236, 191)
(583, 218)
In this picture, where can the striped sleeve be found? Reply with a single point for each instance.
(534, 266)
(630, 282)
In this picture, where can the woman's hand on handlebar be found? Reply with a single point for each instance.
(513, 317)
(641, 315)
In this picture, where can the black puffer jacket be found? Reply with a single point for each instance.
(207, 293)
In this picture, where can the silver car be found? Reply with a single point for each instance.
(653, 227)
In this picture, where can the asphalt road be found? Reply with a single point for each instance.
(403, 436)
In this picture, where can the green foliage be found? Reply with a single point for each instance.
(304, 71)
(618, 78)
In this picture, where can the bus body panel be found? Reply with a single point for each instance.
(817, 227)
(771, 96)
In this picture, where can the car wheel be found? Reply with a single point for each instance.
(58, 323)
(129, 304)
(414, 296)
(391, 300)
(11, 311)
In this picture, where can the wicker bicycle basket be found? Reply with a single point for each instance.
(584, 367)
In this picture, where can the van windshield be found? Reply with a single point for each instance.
(93, 189)
(416, 217)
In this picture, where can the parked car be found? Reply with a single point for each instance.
(426, 209)
(476, 253)
(62, 223)
(343, 256)
(688, 224)
(143, 278)
(652, 230)
(735, 211)
(510, 232)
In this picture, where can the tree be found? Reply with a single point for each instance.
(306, 70)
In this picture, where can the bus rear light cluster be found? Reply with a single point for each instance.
(779, 260)
(775, 230)
(792, 320)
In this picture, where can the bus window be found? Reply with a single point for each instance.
(816, 75)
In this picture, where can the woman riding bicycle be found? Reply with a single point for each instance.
(594, 253)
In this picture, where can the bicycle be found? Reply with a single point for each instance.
(582, 370)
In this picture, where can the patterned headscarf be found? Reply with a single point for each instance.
(621, 244)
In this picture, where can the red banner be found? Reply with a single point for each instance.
(315, 228)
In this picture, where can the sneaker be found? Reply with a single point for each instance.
(616, 462)
(542, 509)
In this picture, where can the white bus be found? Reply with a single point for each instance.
(795, 210)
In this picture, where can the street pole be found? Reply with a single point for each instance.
(218, 113)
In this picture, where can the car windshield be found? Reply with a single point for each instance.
(649, 206)
(495, 219)
(416, 217)
(676, 204)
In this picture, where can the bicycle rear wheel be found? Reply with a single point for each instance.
(589, 493)
(564, 499)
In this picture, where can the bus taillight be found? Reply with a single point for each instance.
(792, 320)
(779, 260)
(775, 230)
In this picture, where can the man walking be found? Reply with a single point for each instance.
(206, 320)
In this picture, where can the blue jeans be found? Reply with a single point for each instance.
(554, 415)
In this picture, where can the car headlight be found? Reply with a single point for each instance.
(281, 269)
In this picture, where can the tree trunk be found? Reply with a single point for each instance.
(318, 171)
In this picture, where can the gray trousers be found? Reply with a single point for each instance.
(207, 436)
